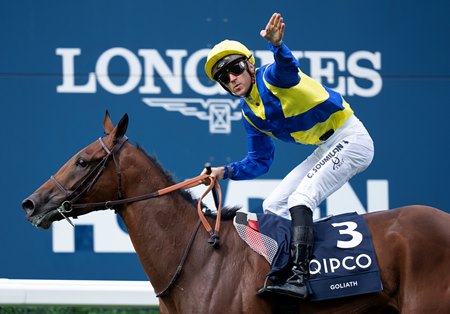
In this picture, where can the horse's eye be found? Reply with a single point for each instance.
(81, 162)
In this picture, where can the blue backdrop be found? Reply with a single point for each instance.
(63, 63)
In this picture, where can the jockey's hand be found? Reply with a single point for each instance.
(217, 172)
(274, 30)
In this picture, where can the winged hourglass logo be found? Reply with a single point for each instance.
(219, 112)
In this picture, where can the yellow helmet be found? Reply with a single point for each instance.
(223, 49)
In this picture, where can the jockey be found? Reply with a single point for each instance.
(279, 101)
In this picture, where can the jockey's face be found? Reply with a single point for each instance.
(240, 84)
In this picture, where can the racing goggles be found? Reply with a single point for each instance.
(236, 68)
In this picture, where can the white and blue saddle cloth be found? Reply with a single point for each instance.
(343, 264)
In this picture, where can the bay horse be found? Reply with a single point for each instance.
(412, 243)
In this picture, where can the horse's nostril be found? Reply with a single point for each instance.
(28, 206)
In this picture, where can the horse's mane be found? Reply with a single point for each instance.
(227, 212)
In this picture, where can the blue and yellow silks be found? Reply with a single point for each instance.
(288, 105)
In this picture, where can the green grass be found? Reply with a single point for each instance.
(61, 309)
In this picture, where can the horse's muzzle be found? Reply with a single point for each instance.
(28, 206)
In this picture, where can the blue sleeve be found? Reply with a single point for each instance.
(259, 158)
(284, 71)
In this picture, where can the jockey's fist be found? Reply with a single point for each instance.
(217, 172)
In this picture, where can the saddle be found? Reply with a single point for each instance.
(343, 264)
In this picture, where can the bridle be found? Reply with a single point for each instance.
(68, 205)
(89, 180)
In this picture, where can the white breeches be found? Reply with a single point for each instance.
(347, 152)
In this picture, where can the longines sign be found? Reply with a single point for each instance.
(355, 74)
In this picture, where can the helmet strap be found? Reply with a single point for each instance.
(252, 77)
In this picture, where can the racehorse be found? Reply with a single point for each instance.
(412, 243)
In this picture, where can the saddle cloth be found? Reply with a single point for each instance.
(343, 263)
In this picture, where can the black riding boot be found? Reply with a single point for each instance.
(301, 250)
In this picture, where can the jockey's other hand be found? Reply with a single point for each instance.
(217, 172)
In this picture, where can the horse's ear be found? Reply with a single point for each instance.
(107, 123)
(121, 127)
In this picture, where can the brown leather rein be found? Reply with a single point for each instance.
(67, 206)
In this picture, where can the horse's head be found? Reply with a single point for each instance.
(91, 175)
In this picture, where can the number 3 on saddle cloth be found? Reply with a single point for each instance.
(343, 263)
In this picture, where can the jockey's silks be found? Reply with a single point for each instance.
(288, 105)
(301, 113)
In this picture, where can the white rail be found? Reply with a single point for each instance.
(77, 292)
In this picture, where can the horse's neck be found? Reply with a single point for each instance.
(159, 227)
